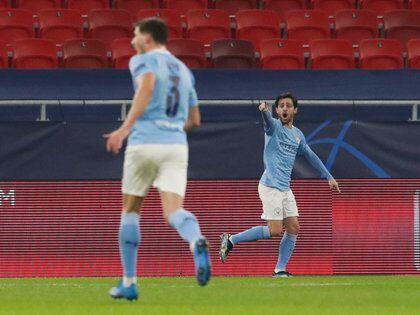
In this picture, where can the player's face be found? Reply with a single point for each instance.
(286, 111)
(139, 41)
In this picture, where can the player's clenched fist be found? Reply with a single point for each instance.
(263, 107)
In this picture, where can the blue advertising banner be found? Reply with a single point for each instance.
(102, 84)
(218, 150)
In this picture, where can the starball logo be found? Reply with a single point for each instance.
(340, 143)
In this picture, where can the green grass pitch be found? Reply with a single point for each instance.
(224, 295)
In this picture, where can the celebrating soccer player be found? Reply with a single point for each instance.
(164, 107)
(283, 142)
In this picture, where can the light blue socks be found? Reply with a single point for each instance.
(253, 234)
(287, 245)
(186, 224)
(129, 238)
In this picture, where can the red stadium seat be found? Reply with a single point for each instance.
(183, 6)
(109, 24)
(402, 25)
(122, 51)
(16, 24)
(355, 25)
(413, 53)
(133, 6)
(190, 51)
(171, 17)
(331, 54)
(282, 54)
(306, 25)
(414, 4)
(381, 6)
(85, 6)
(4, 3)
(283, 6)
(4, 62)
(208, 25)
(233, 6)
(84, 53)
(332, 6)
(36, 5)
(232, 54)
(381, 54)
(60, 25)
(257, 25)
(34, 54)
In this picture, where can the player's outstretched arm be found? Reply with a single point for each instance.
(141, 99)
(317, 163)
(268, 119)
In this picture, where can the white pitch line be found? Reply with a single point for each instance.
(304, 284)
(175, 286)
(327, 284)
(75, 285)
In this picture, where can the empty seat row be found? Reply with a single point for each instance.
(36, 5)
(230, 6)
(225, 53)
(305, 25)
(290, 54)
(63, 24)
(211, 24)
(331, 7)
(75, 53)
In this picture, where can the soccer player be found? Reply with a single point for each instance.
(283, 142)
(164, 107)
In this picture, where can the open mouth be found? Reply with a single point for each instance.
(284, 115)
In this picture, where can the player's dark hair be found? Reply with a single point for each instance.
(286, 95)
(155, 27)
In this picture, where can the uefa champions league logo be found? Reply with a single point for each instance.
(339, 143)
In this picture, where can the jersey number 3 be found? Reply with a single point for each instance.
(172, 100)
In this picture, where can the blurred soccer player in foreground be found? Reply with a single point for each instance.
(283, 142)
(164, 107)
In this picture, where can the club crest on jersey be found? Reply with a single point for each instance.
(297, 140)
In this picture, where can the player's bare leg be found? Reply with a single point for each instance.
(275, 227)
(291, 225)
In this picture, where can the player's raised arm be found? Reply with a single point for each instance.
(317, 163)
(268, 119)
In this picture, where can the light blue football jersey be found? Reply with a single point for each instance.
(164, 118)
(282, 144)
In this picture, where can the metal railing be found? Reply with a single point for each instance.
(43, 104)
